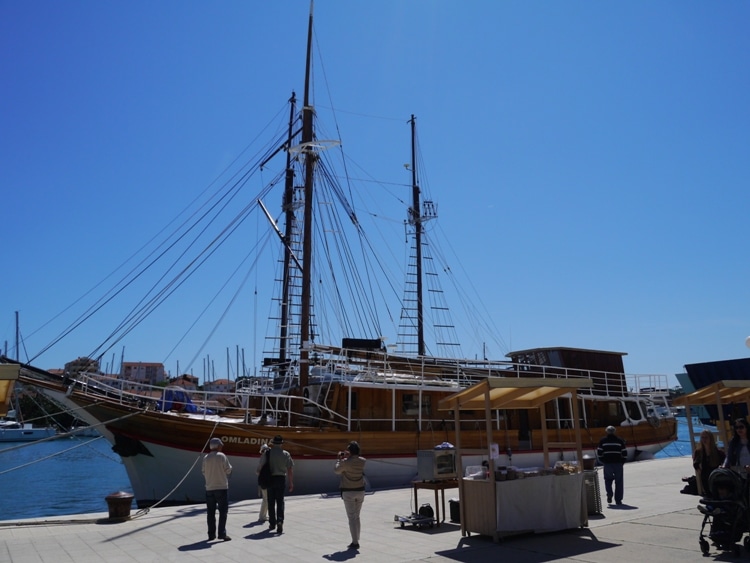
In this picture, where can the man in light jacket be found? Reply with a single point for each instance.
(216, 470)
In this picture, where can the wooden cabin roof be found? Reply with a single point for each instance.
(564, 348)
(571, 358)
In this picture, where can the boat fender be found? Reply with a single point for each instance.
(306, 393)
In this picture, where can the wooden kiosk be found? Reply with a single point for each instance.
(535, 504)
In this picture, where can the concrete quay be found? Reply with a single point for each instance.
(655, 523)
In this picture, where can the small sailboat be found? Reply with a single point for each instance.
(14, 430)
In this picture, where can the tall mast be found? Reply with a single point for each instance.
(415, 217)
(288, 207)
(18, 340)
(307, 138)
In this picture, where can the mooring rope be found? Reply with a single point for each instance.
(144, 511)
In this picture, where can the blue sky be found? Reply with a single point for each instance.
(590, 160)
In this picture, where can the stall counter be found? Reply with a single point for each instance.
(541, 504)
(533, 504)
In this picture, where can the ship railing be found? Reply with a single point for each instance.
(604, 382)
(208, 403)
(466, 372)
(281, 405)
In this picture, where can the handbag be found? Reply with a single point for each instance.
(264, 476)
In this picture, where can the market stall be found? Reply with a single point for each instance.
(720, 393)
(497, 501)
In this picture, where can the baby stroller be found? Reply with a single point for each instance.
(725, 512)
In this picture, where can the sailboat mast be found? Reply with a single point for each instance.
(307, 138)
(18, 339)
(416, 219)
(288, 207)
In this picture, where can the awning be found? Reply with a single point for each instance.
(718, 393)
(512, 393)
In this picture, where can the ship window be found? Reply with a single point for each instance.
(410, 405)
(354, 400)
(633, 411)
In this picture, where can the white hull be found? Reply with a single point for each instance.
(154, 477)
(25, 434)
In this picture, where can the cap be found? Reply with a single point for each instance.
(215, 443)
(278, 439)
(610, 429)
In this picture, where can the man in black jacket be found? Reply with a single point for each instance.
(612, 453)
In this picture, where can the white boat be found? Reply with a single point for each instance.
(12, 430)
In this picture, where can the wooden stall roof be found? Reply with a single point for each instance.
(720, 392)
(512, 393)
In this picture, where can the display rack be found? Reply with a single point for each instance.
(593, 495)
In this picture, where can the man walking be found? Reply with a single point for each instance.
(612, 453)
(282, 467)
(216, 470)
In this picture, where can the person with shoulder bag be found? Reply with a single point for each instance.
(264, 481)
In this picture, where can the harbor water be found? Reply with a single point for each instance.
(58, 477)
(74, 475)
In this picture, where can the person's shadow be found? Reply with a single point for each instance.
(197, 546)
(622, 506)
(261, 534)
(342, 555)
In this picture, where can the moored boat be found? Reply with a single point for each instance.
(13, 430)
(393, 412)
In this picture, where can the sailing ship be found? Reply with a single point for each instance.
(319, 389)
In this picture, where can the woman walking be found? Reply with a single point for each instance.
(351, 467)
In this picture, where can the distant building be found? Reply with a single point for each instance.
(143, 373)
(81, 365)
(219, 386)
(186, 381)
